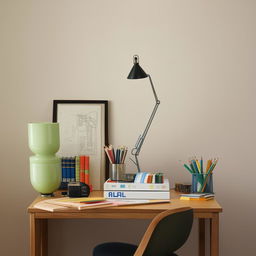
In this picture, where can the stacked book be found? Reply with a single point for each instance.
(74, 169)
(135, 190)
(197, 196)
(68, 169)
(146, 177)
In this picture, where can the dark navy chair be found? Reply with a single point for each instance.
(167, 232)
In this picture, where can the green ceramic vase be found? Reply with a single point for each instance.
(45, 167)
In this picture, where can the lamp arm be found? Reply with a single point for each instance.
(136, 150)
(153, 89)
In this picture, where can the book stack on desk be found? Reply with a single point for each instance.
(197, 196)
(84, 203)
(75, 169)
(133, 190)
(66, 203)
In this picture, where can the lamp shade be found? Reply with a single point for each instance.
(136, 72)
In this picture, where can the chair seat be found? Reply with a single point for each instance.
(117, 249)
(166, 233)
(114, 249)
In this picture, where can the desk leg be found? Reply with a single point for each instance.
(44, 237)
(214, 235)
(33, 235)
(38, 236)
(201, 229)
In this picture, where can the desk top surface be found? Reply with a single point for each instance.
(133, 211)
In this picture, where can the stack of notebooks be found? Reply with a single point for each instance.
(83, 203)
(201, 197)
(136, 190)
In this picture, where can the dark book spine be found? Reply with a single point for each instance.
(68, 168)
(63, 184)
(64, 170)
(73, 169)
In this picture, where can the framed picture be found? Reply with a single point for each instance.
(84, 131)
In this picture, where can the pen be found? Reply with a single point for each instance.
(188, 168)
(118, 156)
(212, 166)
(192, 167)
(201, 163)
(209, 173)
(209, 163)
(113, 153)
(198, 166)
(195, 166)
(107, 153)
(125, 153)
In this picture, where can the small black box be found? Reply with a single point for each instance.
(78, 189)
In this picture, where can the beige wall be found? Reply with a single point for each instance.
(202, 57)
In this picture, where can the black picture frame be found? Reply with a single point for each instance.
(66, 109)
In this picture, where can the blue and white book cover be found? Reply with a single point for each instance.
(121, 194)
(131, 186)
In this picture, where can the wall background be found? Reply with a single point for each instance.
(202, 58)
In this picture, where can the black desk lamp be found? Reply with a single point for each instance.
(138, 73)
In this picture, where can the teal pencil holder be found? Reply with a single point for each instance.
(202, 183)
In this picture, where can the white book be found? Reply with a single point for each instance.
(130, 186)
(124, 194)
(123, 202)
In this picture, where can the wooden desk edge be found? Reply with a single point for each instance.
(135, 211)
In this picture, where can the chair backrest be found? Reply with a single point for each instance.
(167, 232)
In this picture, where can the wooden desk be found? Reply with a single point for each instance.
(202, 210)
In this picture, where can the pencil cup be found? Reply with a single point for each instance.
(117, 172)
(202, 183)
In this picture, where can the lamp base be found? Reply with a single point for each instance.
(47, 195)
